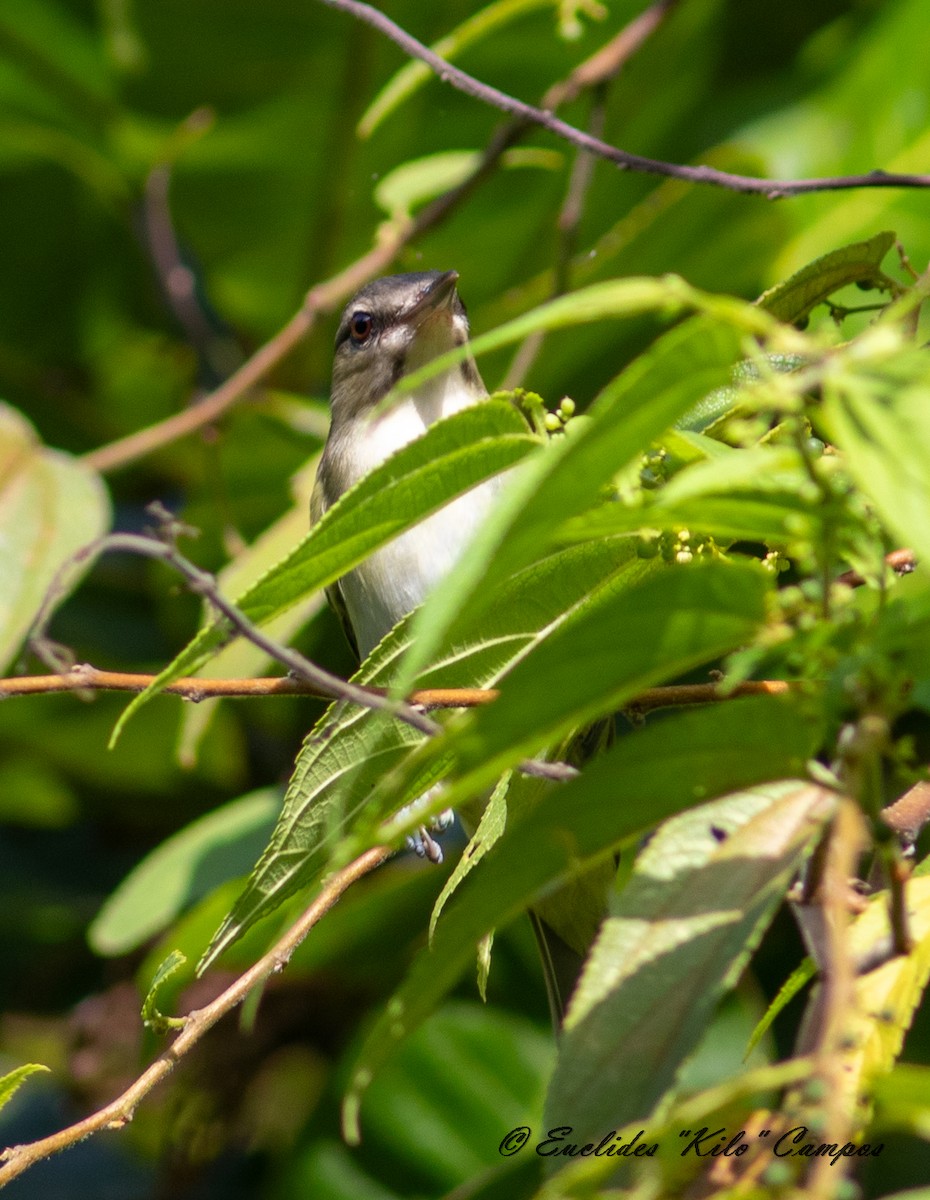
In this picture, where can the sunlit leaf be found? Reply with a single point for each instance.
(860, 263)
(50, 506)
(451, 457)
(10, 1082)
(680, 933)
(350, 751)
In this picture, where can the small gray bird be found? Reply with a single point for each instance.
(391, 328)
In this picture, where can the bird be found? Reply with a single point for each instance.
(392, 327)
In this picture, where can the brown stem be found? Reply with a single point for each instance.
(18, 1159)
(84, 677)
(771, 189)
(325, 297)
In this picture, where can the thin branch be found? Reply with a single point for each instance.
(771, 189)
(567, 224)
(119, 1112)
(326, 297)
(84, 677)
(202, 583)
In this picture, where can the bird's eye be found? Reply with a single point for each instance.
(360, 327)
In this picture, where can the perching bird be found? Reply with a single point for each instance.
(391, 328)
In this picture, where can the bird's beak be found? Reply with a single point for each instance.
(436, 297)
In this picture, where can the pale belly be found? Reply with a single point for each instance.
(398, 577)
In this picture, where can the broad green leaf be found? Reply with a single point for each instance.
(902, 1100)
(451, 457)
(412, 76)
(413, 183)
(241, 659)
(639, 405)
(182, 869)
(10, 1082)
(50, 506)
(606, 652)
(860, 263)
(758, 494)
(882, 424)
(680, 933)
(667, 767)
(350, 750)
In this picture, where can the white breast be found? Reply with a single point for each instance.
(398, 577)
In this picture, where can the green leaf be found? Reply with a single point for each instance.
(683, 760)
(793, 299)
(639, 405)
(50, 506)
(620, 642)
(490, 829)
(758, 494)
(182, 869)
(241, 659)
(449, 459)
(882, 423)
(350, 750)
(11, 1082)
(413, 183)
(680, 933)
(802, 974)
(151, 1017)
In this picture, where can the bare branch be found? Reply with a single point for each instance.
(324, 683)
(326, 297)
(85, 678)
(771, 189)
(115, 1115)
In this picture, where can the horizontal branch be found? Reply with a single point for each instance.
(17, 1159)
(771, 189)
(87, 678)
(83, 678)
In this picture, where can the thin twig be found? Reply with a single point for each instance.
(771, 189)
(392, 238)
(120, 1111)
(569, 219)
(202, 583)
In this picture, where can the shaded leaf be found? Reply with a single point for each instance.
(451, 457)
(182, 869)
(665, 768)
(151, 1017)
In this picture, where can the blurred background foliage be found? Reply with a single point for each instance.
(148, 144)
